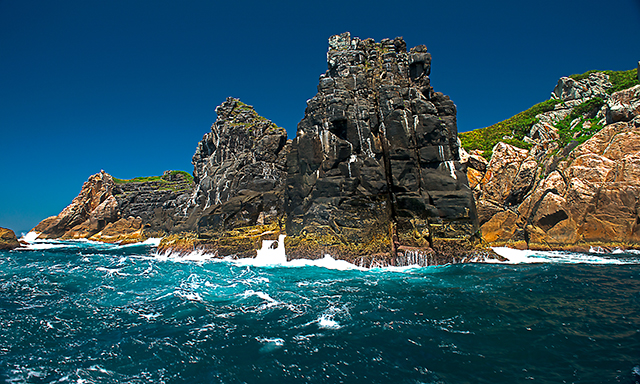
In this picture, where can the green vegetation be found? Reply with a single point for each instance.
(163, 184)
(137, 179)
(585, 112)
(511, 131)
(619, 79)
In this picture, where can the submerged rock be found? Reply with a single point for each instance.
(8, 239)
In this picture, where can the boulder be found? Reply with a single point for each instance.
(8, 239)
(624, 105)
(595, 85)
(124, 230)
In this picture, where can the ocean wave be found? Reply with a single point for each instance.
(517, 256)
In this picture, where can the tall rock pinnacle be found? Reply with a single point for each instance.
(375, 168)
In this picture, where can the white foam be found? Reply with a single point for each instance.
(191, 296)
(326, 262)
(30, 237)
(42, 246)
(270, 344)
(326, 322)
(264, 296)
(276, 340)
(516, 256)
(198, 255)
(269, 254)
(152, 241)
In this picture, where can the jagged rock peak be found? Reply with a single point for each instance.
(235, 111)
(375, 163)
(239, 169)
(238, 128)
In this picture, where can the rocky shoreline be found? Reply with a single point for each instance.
(377, 176)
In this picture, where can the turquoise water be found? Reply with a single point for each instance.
(89, 313)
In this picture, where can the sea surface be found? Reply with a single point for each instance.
(83, 312)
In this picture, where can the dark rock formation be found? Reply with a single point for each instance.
(372, 177)
(160, 202)
(8, 239)
(239, 169)
(374, 169)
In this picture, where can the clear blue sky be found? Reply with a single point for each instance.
(131, 86)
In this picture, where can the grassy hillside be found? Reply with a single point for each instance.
(513, 129)
(510, 131)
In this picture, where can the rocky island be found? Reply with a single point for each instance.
(377, 175)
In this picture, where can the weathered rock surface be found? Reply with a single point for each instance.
(373, 176)
(624, 105)
(595, 85)
(76, 220)
(8, 239)
(573, 197)
(107, 208)
(374, 169)
(239, 170)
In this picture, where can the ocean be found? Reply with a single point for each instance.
(84, 312)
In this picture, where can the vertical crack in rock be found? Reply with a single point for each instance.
(374, 170)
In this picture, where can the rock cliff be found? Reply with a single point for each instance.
(373, 176)
(374, 173)
(578, 185)
(109, 209)
(239, 170)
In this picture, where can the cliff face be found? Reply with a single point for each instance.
(374, 169)
(110, 209)
(579, 183)
(239, 170)
(373, 175)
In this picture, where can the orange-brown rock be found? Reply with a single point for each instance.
(501, 172)
(8, 239)
(158, 205)
(123, 231)
(78, 219)
(500, 228)
(593, 197)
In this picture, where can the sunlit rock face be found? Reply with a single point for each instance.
(239, 170)
(375, 168)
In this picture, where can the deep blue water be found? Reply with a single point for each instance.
(89, 313)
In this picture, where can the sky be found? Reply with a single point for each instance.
(130, 87)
